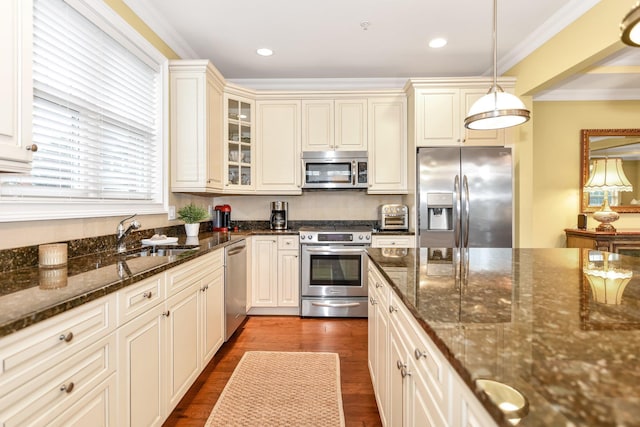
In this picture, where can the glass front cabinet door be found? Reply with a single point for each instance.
(239, 142)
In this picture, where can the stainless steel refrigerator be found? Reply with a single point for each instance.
(465, 197)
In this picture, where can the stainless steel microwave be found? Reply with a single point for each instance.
(334, 169)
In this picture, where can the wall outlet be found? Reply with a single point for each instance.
(172, 212)
(210, 210)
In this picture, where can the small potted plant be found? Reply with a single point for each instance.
(192, 215)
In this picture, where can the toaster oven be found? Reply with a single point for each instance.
(393, 217)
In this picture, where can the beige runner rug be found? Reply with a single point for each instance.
(281, 389)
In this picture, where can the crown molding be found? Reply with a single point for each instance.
(556, 23)
(589, 95)
(322, 84)
(145, 11)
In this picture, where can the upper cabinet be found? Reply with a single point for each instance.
(239, 143)
(387, 145)
(334, 124)
(441, 107)
(196, 114)
(16, 148)
(278, 148)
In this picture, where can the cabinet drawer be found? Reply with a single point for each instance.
(33, 402)
(288, 242)
(180, 277)
(32, 351)
(137, 299)
(399, 241)
(379, 284)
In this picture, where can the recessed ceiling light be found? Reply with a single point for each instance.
(263, 51)
(438, 42)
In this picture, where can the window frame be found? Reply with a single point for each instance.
(25, 209)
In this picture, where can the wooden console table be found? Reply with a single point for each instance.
(625, 242)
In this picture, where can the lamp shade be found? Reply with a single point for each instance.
(496, 110)
(607, 174)
(630, 27)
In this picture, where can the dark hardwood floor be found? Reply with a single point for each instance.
(347, 337)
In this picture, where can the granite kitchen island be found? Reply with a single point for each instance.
(534, 319)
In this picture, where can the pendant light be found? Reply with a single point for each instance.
(630, 27)
(497, 109)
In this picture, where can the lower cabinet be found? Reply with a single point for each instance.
(413, 383)
(125, 359)
(378, 345)
(49, 369)
(275, 278)
(163, 350)
(140, 369)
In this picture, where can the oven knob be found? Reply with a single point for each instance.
(368, 237)
(360, 237)
(302, 236)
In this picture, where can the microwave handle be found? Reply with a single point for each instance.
(301, 172)
(354, 172)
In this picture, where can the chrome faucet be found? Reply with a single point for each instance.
(122, 233)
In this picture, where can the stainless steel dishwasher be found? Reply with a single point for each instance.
(235, 286)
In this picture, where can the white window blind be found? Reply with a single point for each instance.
(96, 115)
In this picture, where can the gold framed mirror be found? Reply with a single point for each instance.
(611, 143)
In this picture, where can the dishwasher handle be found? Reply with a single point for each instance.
(236, 250)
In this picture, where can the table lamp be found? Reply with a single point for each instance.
(607, 175)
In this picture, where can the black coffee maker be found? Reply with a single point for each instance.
(278, 219)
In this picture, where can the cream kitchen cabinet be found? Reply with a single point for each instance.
(393, 241)
(334, 124)
(165, 343)
(16, 148)
(440, 107)
(421, 388)
(378, 344)
(387, 144)
(274, 279)
(239, 144)
(196, 116)
(141, 369)
(47, 369)
(278, 147)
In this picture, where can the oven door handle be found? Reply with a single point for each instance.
(326, 249)
(336, 305)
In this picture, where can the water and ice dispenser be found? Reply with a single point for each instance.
(439, 211)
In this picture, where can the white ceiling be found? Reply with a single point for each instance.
(325, 39)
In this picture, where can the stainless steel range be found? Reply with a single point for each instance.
(333, 272)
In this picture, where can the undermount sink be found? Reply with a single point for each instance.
(160, 251)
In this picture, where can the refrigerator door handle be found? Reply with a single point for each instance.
(465, 186)
(456, 221)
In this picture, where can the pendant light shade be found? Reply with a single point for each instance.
(497, 109)
(630, 27)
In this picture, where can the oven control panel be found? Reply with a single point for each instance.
(337, 237)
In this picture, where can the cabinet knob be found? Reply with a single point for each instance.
(166, 313)
(66, 338)
(378, 285)
(68, 388)
(147, 295)
(32, 147)
(392, 309)
(373, 301)
(419, 354)
(404, 372)
(399, 364)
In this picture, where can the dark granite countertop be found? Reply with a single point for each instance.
(31, 294)
(529, 318)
